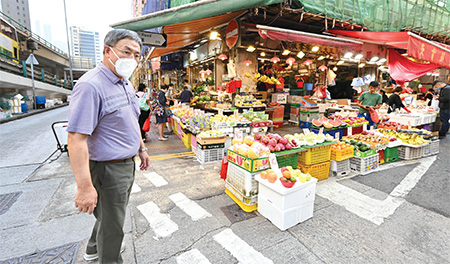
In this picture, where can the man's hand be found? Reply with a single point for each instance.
(145, 160)
(86, 199)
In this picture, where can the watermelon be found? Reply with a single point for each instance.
(327, 125)
(316, 123)
(334, 123)
(323, 119)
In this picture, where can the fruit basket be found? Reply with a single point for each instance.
(319, 171)
(315, 154)
(343, 154)
(364, 165)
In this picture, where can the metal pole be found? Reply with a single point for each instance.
(32, 80)
(68, 45)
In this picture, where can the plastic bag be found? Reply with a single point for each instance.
(374, 116)
(435, 104)
(146, 126)
(143, 103)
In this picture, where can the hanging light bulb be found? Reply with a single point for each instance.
(290, 61)
(275, 59)
(321, 58)
(262, 54)
(223, 57)
(361, 65)
(335, 68)
(247, 62)
(374, 59)
(301, 54)
(323, 68)
(208, 71)
(382, 60)
(307, 62)
(286, 52)
(358, 57)
(340, 62)
(315, 49)
(348, 55)
(213, 35)
(251, 48)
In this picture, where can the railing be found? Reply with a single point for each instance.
(33, 35)
(8, 64)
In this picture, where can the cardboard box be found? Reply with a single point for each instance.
(280, 98)
(294, 99)
(248, 164)
(342, 101)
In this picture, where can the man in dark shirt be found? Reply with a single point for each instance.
(186, 95)
(443, 91)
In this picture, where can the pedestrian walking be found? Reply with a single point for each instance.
(104, 137)
(144, 105)
(161, 112)
(443, 96)
(368, 101)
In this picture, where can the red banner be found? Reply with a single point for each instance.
(422, 50)
(404, 70)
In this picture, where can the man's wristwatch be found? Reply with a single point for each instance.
(142, 149)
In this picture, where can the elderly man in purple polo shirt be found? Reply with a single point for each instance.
(104, 137)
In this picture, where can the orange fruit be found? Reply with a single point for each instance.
(272, 177)
(263, 174)
(287, 174)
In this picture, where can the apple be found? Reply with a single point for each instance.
(284, 141)
(284, 169)
(272, 142)
(257, 136)
(265, 140)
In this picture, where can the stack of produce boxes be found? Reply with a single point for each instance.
(341, 153)
(309, 110)
(316, 160)
(210, 146)
(366, 157)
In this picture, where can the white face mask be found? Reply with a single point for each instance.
(124, 66)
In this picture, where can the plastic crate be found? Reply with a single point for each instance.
(332, 133)
(206, 156)
(431, 149)
(211, 146)
(288, 160)
(381, 156)
(242, 180)
(390, 154)
(340, 168)
(307, 116)
(315, 155)
(339, 155)
(319, 171)
(293, 118)
(277, 124)
(365, 165)
(409, 153)
(186, 138)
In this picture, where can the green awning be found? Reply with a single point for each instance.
(189, 12)
(426, 16)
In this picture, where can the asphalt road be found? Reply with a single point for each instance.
(178, 212)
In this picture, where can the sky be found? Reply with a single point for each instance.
(94, 15)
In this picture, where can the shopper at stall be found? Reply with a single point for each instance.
(186, 83)
(369, 100)
(144, 105)
(186, 96)
(395, 102)
(104, 138)
(443, 96)
(385, 99)
(161, 112)
(429, 96)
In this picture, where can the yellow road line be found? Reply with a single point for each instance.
(172, 156)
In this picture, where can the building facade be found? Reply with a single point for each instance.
(17, 10)
(85, 43)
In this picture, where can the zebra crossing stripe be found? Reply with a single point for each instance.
(242, 251)
(192, 256)
(135, 188)
(160, 223)
(195, 211)
(155, 179)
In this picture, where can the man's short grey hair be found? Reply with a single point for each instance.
(116, 35)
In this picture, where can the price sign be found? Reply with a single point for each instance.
(321, 130)
(273, 162)
(220, 111)
(239, 135)
(306, 131)
(371, 127)
(236, 112)
(350, 131)
(336, 136)
(364, 127)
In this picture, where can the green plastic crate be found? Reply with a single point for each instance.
(391, 154)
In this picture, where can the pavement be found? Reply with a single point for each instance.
(179, 213)
(30, 113)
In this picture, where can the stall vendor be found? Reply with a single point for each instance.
(369, 100)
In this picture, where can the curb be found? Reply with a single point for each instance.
(33, 112)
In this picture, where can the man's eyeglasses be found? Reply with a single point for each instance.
(129, 54)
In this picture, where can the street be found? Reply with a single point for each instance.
(179, 213)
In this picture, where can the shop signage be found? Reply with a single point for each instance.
(424, 51)
(153, 39)
(232, 33)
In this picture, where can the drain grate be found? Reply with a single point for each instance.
(7, 200)
(65, 254)
(235, 214)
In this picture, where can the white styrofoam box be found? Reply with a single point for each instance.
(287, 218)
(286, 198)
(294, 99)
(16, 109)
(281, 98)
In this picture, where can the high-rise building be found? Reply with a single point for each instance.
(85, 43)
(48, 33)
(17, 10)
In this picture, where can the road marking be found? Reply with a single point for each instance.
(155, 179)
(195, 211)
(135, 188)
(369, 208)
(410, 181)
(242, 251)
(192, 256)
(172, 156)
(160, 223)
